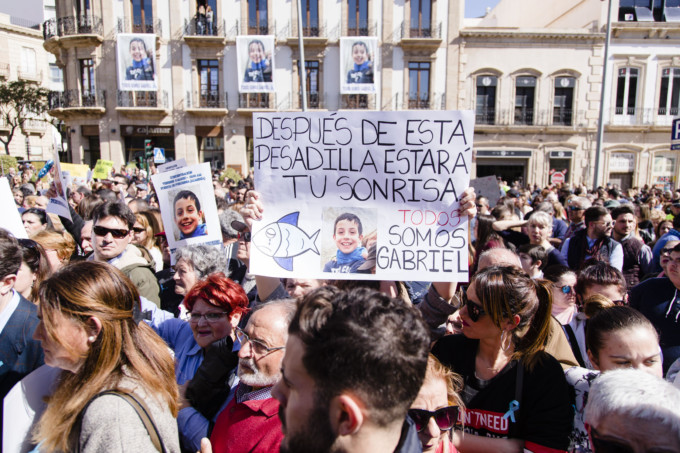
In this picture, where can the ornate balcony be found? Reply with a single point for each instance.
(633, 118)
(199, 33)
(207, 103)
(256, 102)
(556, 120)
(142, 104)
(154, 26)
(435, 101)
(72, 31)
(312, 36)
(362, 28)
(419, 38)
(72, 103)
(357, 101)
(314, 101)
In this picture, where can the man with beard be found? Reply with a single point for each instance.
(354, 363)
(637, 257)
(594, 241)
(249, 422)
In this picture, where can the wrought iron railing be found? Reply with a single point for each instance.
(633, 116)
(76, 99)
(72, 25)
(357, 101)
(206, 99)
(362, 28)
(317, 31)
(153, 26)
(256, 101)
(435, 101)
(200, 26)
(314, 101)
(142, 99)
(560, 117)
(434, 31)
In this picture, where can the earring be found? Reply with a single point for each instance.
(503, 338)
(91, 339)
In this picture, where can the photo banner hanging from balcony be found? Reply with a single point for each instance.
(357, 192)
(255, 63)
(358, 65)
(137, 62)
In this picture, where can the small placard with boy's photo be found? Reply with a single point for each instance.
(347, 236)
(188, 206)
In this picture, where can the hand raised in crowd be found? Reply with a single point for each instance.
(252, 209)
(206, 446)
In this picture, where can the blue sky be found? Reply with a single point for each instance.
(476, 8)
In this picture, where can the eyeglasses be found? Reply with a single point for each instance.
(601, 445)
(139, 230)
(474, 310)
(259, 347)
(667, 251)
(209, 317)
(444, 417)
(245, 236)
(566, 289)
(116, 233)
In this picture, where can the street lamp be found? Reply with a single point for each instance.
(600, 121)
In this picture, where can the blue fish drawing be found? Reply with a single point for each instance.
(283, 240)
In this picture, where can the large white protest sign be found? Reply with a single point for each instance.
(332, 183)
(188, 206)
(11, 220)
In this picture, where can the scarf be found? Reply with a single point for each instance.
(143, 63)
(258, 66)
(362, 67)
(347, 258)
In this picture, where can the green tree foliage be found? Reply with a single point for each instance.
(20, 101)
(7, 162)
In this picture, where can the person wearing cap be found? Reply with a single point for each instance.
(142, 190)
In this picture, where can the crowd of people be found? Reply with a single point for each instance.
(566, 337)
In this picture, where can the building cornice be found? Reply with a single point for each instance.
(19, 30)
(523, 33)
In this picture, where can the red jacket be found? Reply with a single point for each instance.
(251, 426)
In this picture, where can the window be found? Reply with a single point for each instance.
(355, 101)
(524, 100)
(142, 16)
(257, 17)
(357, 17)
(28, 64)
(87, 84)
(310, 17)
(486, 99)
(418, 85)
(312, 84)
(421, 18)
(209, 81)
(626, 90)
(669, 97)
(83, 7)
(563, 107)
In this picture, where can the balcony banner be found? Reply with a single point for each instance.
(255, 63)
(358, 65)
(137, 62)
(375, 193)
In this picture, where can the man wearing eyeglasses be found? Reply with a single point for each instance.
(111, 236)
(576, 211)
(594, 241)
(250, 422)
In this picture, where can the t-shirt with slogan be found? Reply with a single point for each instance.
(540, 414)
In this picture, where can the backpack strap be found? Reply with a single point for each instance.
(142, 411)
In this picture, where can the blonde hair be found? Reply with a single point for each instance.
(454, 381)
(595, 304)
(63, 243)
(150, 233)
(123, 348)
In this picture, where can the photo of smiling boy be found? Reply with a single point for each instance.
(188, 215)
(362, 69)
(259, 67)
(347, 235)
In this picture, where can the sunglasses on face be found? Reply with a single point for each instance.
(474, 310)
(445, 417)
(103, 231)
(566, 289)
(245, 236)
(139, 230)
(667, 251)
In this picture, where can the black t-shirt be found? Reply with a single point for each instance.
(543, 415)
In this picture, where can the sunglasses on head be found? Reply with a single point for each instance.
(601, 445)
(445, 417)
(474, 310)
(103, 231)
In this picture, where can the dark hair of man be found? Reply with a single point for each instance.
(352, 218)
(599, 273)
(84, 190)
(676, 222)
(126, 181)
(594, 213)
(10, 256)
(499, 211)
(115, 209)
(545, 206)
(506, 291)
(189, 195)
(623, 209)
(379, 348)
(536, 252)
(107, 194)
(610, 320)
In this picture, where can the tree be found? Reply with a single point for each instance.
(20, 101)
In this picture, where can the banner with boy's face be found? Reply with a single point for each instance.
(255, 63)
(188, 208)
(375, 193)
(136, 60)
(358, 65)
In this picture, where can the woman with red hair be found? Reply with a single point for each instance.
(215, 305)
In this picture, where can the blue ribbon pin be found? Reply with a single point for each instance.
(514, 405)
